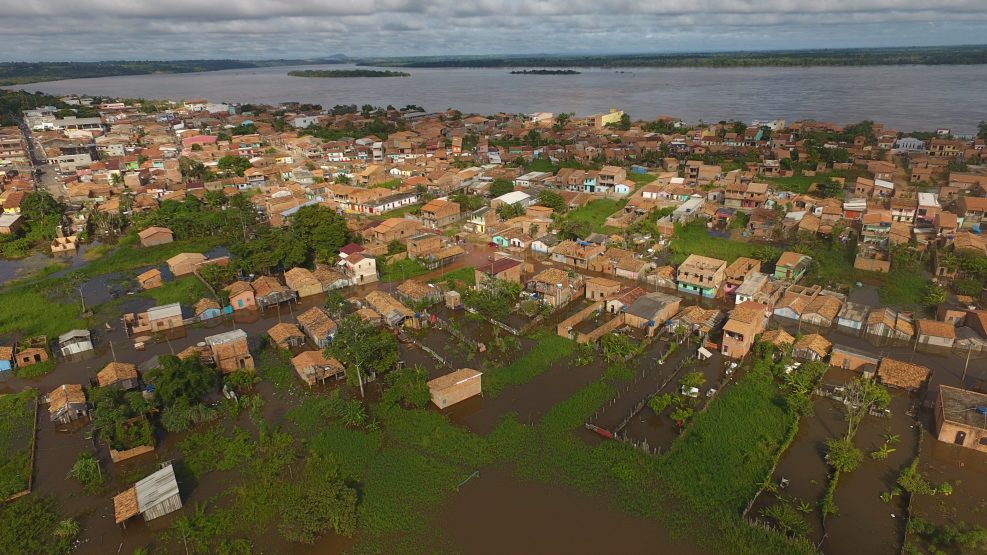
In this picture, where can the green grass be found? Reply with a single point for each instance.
(35, 370)
(397, 212)
(595, 213)
(550, 349)
(29, 311)
(401, 270)
(16, 441)
(903, 289)
(390, 184)
(274, 365)
(640, 179)
(795, 183)
(466, 275)
(129, 255)
(694, 239)
(185, 290)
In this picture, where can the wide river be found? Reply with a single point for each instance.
(903, 97)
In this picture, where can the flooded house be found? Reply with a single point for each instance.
(505, 268)
(555, 287)
(185, 263)
(330, 279)
(696, 320)
(230, 351)
(856, 360)
(150, 279)
(206, 309)
(853, 316)
(118, 374)
(890, 324)
(961, 417)
(156, 319)
(576, 254)
(303, 282)
(286, 336)
(935, 334)
(650, 311)
(67, 403)
(792, 266)
(416, 293)
(394, 313)
(317, 325)
(155, 236)
(822, 311)
(75, 342)
(455, 386)
(6, 358)
(268, 291)
(152, 497)
(600, 288)
(739, 272)
(700, 275)
(811, 347)
(241, 295)
(314, 367)
(903, 375)
(779, 338)
(743, 324)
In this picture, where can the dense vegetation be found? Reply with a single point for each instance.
(933, 55)
(330, 73)
(16, 441)
(546, 72)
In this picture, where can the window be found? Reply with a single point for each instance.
(983, 440)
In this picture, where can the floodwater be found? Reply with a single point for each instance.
(899, 96)
(497, 513)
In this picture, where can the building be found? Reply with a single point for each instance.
(792, 266)
(6, 358)
(601, 289)
(150, 279)
(303, 282)
(314, 367)
(555, 287)
(454, 387)
(811, 347)
(286, 335)
(904, 375)
(10, 223)
(156, 319)
(961, 417)
(504, 268)
(230, 351)
(155, 236)
(31, 355)
(700, 275)
(359, 268)
(241, 295)
(651, 311)
(268, 291)
(852, 316)
(822, 310)
(743, 325)
(67, 403)
(118, 374)
(935, 333)
(887, 323)
(394, 313)
(75, 342)
(152, 497)
(317, 324)
(849, 358)
(439, 213)
(185, 263)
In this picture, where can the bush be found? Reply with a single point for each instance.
(842, 455)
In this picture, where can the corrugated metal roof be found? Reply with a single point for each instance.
(156, 488)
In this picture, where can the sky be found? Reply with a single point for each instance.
(90, 30)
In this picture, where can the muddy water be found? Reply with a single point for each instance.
(965, 469)
(486, 517)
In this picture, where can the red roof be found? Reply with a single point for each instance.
(499, 265)
(351, 249)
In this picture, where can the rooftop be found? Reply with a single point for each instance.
(962, 406)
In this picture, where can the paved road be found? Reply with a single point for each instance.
(46, 175)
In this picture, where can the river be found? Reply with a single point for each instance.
(903, 97)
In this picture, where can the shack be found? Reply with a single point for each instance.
(454, 387)
(152, 497)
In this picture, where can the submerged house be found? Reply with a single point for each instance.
(75, 342)
(152, 497)
(67, 403)
(454, 387)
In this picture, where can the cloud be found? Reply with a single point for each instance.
(122, 29)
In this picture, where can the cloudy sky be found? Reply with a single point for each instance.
(32, 30)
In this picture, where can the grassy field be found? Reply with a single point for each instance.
(551, 348)
(186, 290)
(902, 289)
(397, 213)
(596, 213)
(401, 270)
(16, 441)
(466, 275)
(795, 183)
(694, 239)
(29, 311)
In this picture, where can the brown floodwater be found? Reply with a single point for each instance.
(498, 513)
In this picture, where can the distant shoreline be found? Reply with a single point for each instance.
(340, 73)
(546, 72)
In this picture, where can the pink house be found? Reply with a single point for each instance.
(241, 295)
(199, 140)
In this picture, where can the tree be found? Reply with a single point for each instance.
(692, 379)
(561, 121)
(322, 230)
(616, 347)
(408, 386)
(507, 211)
(233, 164)
(325, 503)
(934, 295)
(659, 403)
(625, 122)
(335, 303)
(182, 381)
(271, 249)
(363, 347)
(495, 298)
(500, 187)
(861, 396)
(574, 229)
(552, 200)
(842, 455)
(86, 470)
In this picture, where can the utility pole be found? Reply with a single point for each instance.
(967, 365)
(83, 297)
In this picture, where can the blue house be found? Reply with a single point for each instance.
(6, 358)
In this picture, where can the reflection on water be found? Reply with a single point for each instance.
(900, 96)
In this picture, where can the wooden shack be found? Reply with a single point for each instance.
(454, 387)
(152, 497)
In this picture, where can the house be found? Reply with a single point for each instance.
(206, 309)
(455, 386)
(779, 338)
(118, 374)
(544, 244)
(75, 342)
(935, 333)
(330, 279)
(599, 288)
(697, 320)
(792, 266)
(316, 323)
(651, 311)
(738, 272)
(10, 223)
(241, 295)
(303, 282)
(811, 347)
(67, 403)
(438, 213)
(822, 311)
(31, 355)
(359, 268)
(155, 236)
(185, 263)
(700, 275)
(972, 210)
(152, 497)
(887, 323)
(743, 324)
(230, 351)
(555, 287)
(576, 254)
(512, 198)
(286, 335)
(394, 313)
(856, 360)
(6, 358)
(499, 268)
(156, 319)
(852, 316)
(418, 294)
(314, 367)
(150, 279)
(268, 291)
(904, 375)
(961, 417)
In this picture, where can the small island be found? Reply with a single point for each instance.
(329, 73)
(545, 72)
